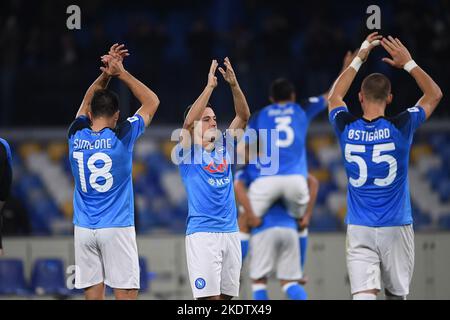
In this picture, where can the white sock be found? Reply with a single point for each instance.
(258, 286)
(364, 296)
(244, 236)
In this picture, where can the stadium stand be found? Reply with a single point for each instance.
(44, 185)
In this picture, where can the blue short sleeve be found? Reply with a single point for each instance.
(130, 130)
(339, 118)
(78, 124)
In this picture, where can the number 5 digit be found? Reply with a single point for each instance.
(378, 158)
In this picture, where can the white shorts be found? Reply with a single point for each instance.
(214, 263)
(380, 254)
(292, 189)
(275, 249)
(106, 255)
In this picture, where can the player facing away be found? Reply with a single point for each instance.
(213, 249)
(100, 152)
(274, 245)
(5, 180)
(380, 237)
(250, 171)
(290, 119)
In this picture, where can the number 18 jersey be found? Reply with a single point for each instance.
(376, 157)
(101, 165)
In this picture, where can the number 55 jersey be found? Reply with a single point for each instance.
(101, 164)
(376, 156)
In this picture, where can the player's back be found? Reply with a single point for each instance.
(376, 157)
(101, 164)
(291, 122)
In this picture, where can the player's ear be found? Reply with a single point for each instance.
(389, 98)
(116, 116)
(361, 97)
(90, 116)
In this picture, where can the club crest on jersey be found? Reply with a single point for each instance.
(200, 283)
(212, 168)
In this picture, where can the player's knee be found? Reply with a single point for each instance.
(219, 297)
(390, 296)
(366, 295)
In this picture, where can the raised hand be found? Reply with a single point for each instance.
(400, 55)
(228, 74)
(212, 79)
(113, 66)
(118, 51)
(371, 42)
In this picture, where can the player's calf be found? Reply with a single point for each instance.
(95, 292)
(126, 294)
(294, 290)
(259, 288)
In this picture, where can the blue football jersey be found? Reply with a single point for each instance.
(277, 215)
(5, 172)
(290, 124)
(208, 180)
(376, 156)
(101, 165)
(8, 150)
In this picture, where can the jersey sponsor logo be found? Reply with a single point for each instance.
(212, 168)
(218, 182)
(200, 283)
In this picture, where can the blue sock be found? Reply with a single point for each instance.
(294, 291)
(303, 237)
(245, 238)
(260, 292)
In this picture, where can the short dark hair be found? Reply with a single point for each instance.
(281, 89)
(105, 103)
(189, 107)
(376, 86)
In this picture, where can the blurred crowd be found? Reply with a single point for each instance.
(45, 68)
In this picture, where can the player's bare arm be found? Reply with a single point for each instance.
(345, 80)
(148, 99)
(102, 81)
(196, 111)
(348, 58)
(242, 198)
(240, 102)
(401, 58)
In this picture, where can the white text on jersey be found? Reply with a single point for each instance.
(81, 144)
(369, 136)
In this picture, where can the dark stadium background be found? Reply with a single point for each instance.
(45, 68)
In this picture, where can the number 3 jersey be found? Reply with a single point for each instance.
(101, 164)
(286, 152)
(376, 156)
